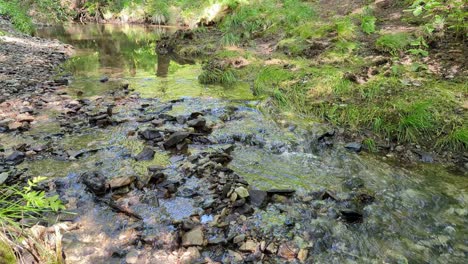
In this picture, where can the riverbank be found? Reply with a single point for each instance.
(394, 100)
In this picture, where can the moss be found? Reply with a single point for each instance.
(7, 255)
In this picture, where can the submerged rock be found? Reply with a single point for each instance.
(175, 139)
(121, 182)
(146, 154)
(351, 217)
(15, 158)
(95, 182)
(258, 198)
(194, 237)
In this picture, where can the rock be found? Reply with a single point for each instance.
(15, 125)
(146, 154)
(302, 255)
(194, 237)
(132, 257)
(157, 122)
(3, 177)
(104, 79)
(258, 198)
(190, 256)
(181, 119)
(24, 118)
(351, 217)
(249, 246)
(157, 178)
(238, 239)
(233, 257)
(354, 146)
(150, 134)
(288, 251)
(242, 192)
(121, 181)
(425, 157)
(198, 123)
(272, 248)
(175, 139)
(15, 158)
(94, 182)
(283, 192)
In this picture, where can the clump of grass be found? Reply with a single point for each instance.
(370, 144)
(217, 72)
(457, 139)
(269, 79)
(345, 28)
(416, 120)
(368, 21)
(393, 43)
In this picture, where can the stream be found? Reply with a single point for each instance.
(347, 207)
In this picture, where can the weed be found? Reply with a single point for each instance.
(456, 140)
(345, 28)
(370, 144)
(25, 203)
(394, 43)
(368, 21)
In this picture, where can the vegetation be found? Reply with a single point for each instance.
(18, 15)
(19, 208)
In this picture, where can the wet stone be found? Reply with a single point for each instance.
(351, 217)
(194, 237)
(95, 182)
(146, 154)
(258, 198)
(16, 157)
(249, 246)
(175, 139)
(150, 134)
(354, 146)
(198, 123)
(119, 182)
(284, 192)
(288, 251)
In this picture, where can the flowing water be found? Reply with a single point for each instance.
(419, 214)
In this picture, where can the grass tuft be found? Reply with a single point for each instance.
(393, 43)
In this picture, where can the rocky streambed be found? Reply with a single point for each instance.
(200, 177)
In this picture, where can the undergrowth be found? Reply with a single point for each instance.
(17, 14)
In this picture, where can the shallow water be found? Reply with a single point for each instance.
(419, 215)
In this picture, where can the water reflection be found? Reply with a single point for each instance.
(164, 61)
(129, 52)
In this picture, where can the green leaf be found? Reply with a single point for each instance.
(418, 11)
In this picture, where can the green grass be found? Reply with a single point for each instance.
(258, 18)
(25, 203)
(216, 74)
(393, 43)
(17, 14)
(368, 21)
